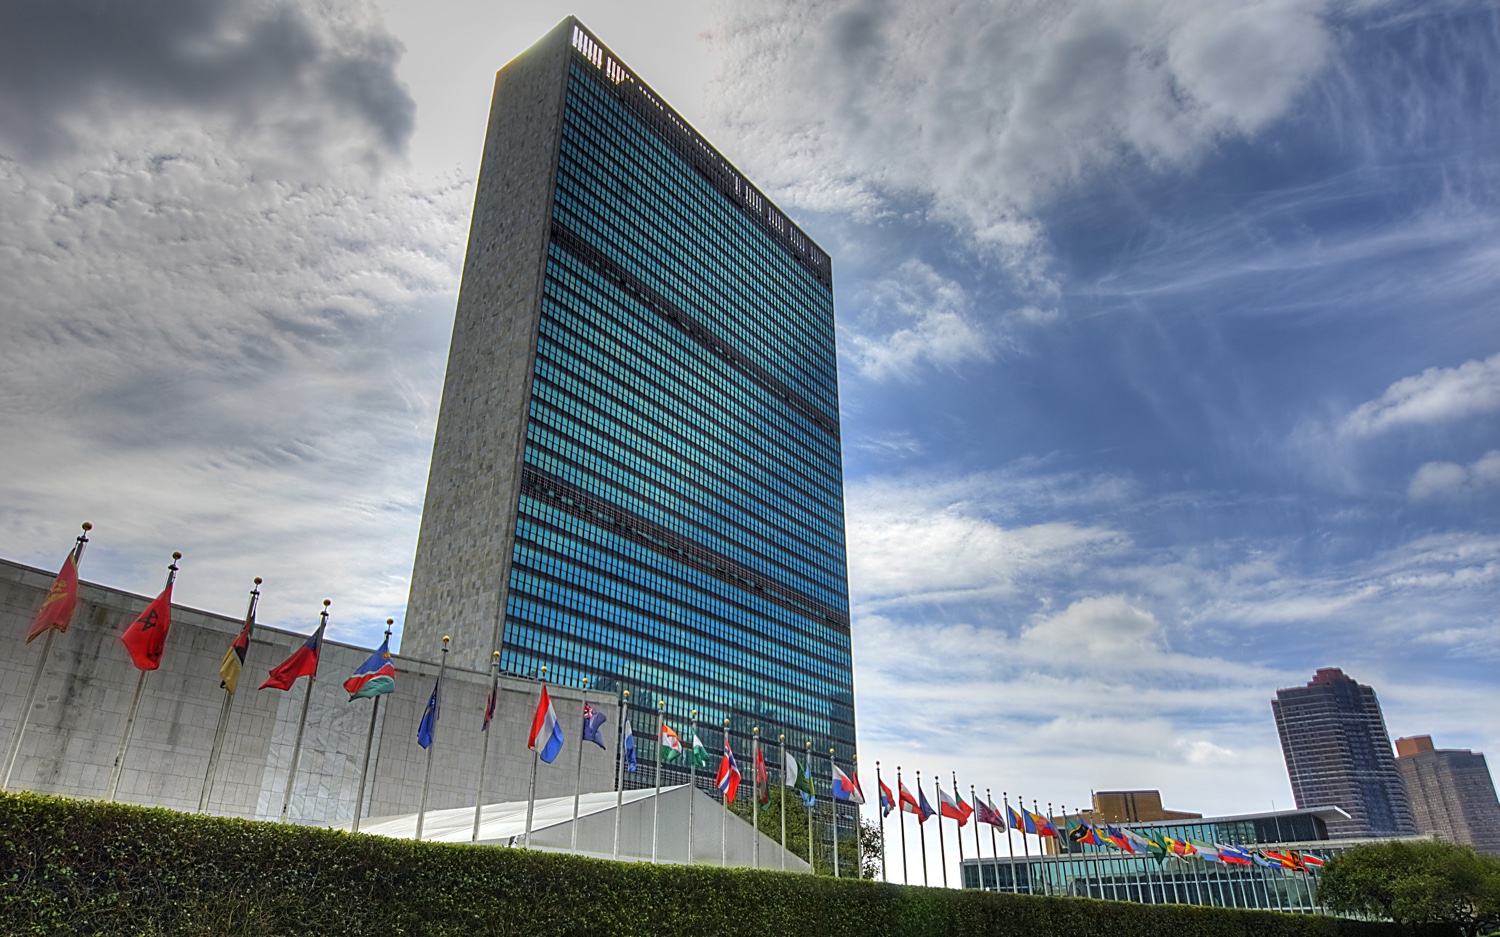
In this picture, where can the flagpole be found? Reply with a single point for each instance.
(364, 770)
(755, 786)
(620, 767)
(942, 850)
(692, 779)
(135, 705)
(783, 801)
(578, 773)
(880, 812)
(901, 818)
(41, 667)
(859, 823)
(958, 834)
(291, 778)
(1010, 844)
(661, 720)
(213, 753)
(536, 756)
(436, 710)
(484, 748)
(808, 762)
(1025, 843)
(979, 859)
(1041, 849)
(833, 803)
(922, 830)
(724, 818)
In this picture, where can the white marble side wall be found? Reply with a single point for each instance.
(88, 682)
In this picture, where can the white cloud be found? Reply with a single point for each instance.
(1437, 395)
(912, 317)
(1439, 479)
(919, 540)
(982, 110)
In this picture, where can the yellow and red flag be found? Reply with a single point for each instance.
(57, 608)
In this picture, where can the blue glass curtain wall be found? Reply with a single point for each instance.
(681, 521)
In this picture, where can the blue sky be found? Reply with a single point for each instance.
(1170, 354)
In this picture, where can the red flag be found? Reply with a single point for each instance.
(62, 598)
(147, 635)
(762, 778)
(302, 663)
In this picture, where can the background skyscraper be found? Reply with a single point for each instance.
(637, 474)
(1451, 793)
(1338, 754)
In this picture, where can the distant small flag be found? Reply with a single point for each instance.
(1118, 838)
(1234, 855)
(762, 779)
(546, 733)
(427, 728)
(984, 813)
(302, 663)
(1310, 861)
(887, 800)
(1264, 861)
(1042, 826)
(147, 635)
(57, 608)
(1022, 821)
(671, 745)
(375, 677)
(953, 809)
(846, 788)
(234, 658)
(1205, 852)
(489, 707)
(629, 746)
(700, 753)
(927, 810)
(728, 779)
(908, 802)
(593, 720)
(1085, 832)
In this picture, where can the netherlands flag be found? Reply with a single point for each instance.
(846, 788)
(546, 733)
(728, 780)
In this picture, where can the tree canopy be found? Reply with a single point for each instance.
(1416, 883)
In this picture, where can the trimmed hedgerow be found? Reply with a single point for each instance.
(82, 867)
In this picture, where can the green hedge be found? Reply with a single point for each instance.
(83, 867)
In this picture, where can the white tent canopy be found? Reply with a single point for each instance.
(715, 835)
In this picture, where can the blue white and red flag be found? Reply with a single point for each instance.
(546, 733)
(728, 780)
(846, 788)
(375, 677)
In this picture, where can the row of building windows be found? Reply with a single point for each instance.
(614, 155)
(619, 326)
(745, 615)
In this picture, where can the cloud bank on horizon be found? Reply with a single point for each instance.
(1171, 356)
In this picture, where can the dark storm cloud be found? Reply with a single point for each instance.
(67, 65)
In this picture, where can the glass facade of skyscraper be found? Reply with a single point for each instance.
(680, 530)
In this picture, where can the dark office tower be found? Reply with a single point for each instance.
(637, 479)
(1338, 754)
(1451, 793)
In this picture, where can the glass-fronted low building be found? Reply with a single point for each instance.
(1110, 874)
(637, 476)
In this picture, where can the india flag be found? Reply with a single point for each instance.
(671, 745)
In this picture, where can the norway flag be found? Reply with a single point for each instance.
(546, 734)
(728, 780)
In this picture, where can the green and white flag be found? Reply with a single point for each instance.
(700, 754)
(794, 777)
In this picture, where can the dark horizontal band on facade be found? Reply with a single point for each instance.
(568, 497)
(686, 142)
(574, 244)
